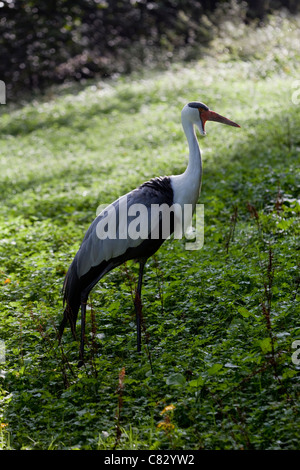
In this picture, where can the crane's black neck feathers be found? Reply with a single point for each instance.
(160, 185)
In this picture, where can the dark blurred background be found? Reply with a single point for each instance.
(46, 42)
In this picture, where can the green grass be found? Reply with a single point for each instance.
(219, 322)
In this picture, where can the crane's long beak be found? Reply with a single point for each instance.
(212, 116)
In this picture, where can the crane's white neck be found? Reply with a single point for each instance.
(194, 168)
(187, 186)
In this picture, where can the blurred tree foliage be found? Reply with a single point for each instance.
(44, 42)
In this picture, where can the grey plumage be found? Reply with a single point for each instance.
(96, 256)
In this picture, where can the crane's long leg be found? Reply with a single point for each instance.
(138, 305)
(83, 314)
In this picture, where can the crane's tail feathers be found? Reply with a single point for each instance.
(71, 300)
(76, 291)
(67, 318)
(61, 328)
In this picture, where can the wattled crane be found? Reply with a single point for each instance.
(108, 242)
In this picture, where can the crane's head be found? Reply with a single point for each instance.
(198, 113)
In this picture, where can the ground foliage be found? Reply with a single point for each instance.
(216, 369)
